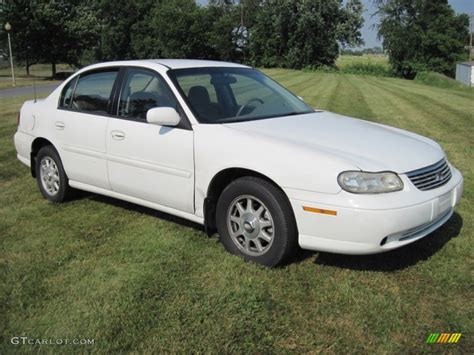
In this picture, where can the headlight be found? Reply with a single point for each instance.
(361, 182)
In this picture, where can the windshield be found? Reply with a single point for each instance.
(219, 95)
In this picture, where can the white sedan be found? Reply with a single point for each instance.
(223, 145)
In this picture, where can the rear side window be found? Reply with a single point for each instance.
(92, 93)
(66, 95)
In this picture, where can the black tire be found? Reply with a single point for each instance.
(284, 231)
(64, 191)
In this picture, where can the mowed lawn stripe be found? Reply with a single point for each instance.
(317, 95)
(424, 112)
(307, 86)
(385, 107)
(394, 109)
(359, 102)
(290, 78)
(454, 109)
(317, 87)
(446, 94)
(329, 85)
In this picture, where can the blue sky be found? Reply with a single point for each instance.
(370, 35)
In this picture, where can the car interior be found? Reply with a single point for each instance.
(200, 99)
(143, 92)
(218, 97)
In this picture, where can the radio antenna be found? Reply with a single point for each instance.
(34, 79)
(34, 86)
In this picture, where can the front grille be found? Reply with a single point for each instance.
(431, 177)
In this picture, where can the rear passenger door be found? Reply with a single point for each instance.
(146, 161)
(80, 126)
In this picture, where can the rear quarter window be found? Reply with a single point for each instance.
(66, 95)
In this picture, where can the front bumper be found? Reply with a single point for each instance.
(368, 224)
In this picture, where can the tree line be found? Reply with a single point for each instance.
(265, 33)
(291, 34)
(422, 35)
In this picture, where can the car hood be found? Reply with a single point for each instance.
(368, 146)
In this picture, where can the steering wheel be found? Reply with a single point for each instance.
(253, 99)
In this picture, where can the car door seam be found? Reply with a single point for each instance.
(89, 152)
(149, 166)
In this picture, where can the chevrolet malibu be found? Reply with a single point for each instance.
(225, 146)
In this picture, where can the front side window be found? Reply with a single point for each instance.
(218, 95)
(141, 91)
(93, 92)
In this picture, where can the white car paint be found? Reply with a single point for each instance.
(149, 157)
(171, 169)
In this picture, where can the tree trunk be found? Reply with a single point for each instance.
(53, 69)
(28, 60)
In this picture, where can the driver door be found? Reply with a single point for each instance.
(146, 161)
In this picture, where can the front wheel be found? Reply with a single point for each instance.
(256, 222)
(52, 179)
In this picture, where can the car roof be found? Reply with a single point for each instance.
(193, 63)
(169, 63)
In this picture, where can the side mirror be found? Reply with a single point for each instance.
(163, 116)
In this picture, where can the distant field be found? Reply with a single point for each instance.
(345, 60)
(138, 280)
(39, 70)
(40, 74)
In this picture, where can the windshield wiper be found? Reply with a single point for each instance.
(246, 119)
(294, 113)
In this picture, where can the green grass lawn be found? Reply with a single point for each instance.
(134, 279)
(40, 74)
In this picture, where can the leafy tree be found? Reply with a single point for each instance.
(174, 29)
(230, 27)
(292, 33)
(68, 29)
(349, 27)
(422, 35)
(300, 33)
(117, 20)
(223, 23)
(50, 31)
(24, 30)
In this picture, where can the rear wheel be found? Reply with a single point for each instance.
(256, 222)
(50, 175)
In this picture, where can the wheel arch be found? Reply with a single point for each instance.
(37, 144)
(218, 184)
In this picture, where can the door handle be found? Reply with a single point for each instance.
(59, 125)
(118, 135)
